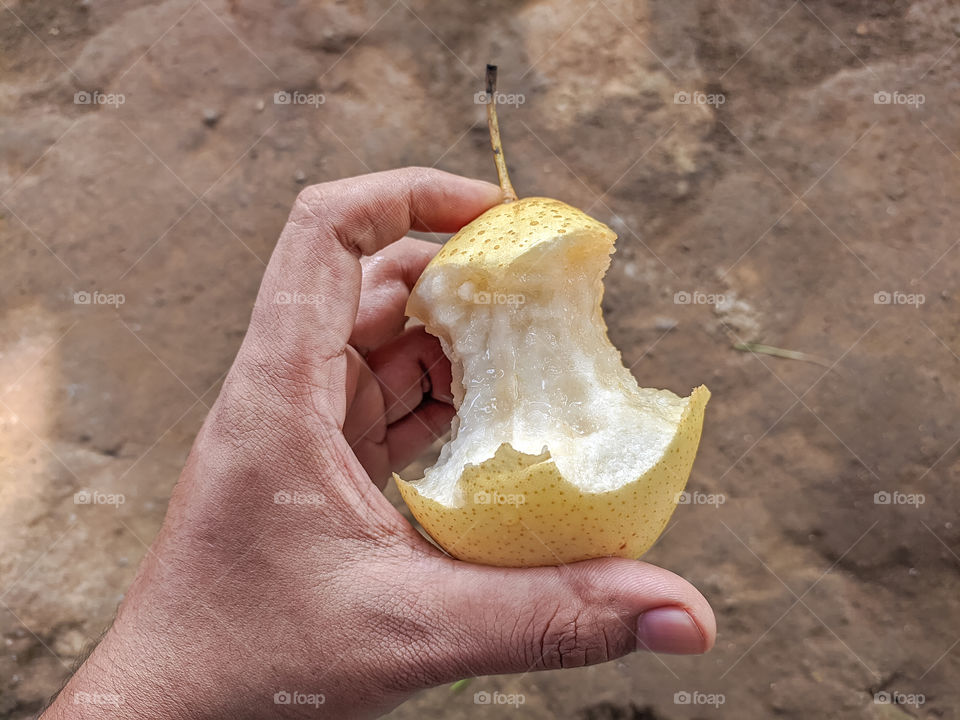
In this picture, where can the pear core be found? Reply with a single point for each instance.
(556, 454)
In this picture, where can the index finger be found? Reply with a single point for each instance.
(307, 305)
(371, 211)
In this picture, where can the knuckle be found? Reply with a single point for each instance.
(585, 628)
(316, 209)
(338, 211)
(571, 638)
(310, 202)
(414, 174)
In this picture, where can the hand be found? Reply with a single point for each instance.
(244, 597)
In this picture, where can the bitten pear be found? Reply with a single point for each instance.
(556, 454)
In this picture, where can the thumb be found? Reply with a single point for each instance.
(518, 620)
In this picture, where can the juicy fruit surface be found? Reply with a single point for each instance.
(557, 455)
(519, 511)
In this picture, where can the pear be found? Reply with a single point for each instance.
(556, 454)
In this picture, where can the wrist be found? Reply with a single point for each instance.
(143, 674)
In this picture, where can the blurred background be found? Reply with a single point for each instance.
(783, 177)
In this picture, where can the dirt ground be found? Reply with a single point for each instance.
(803, 197)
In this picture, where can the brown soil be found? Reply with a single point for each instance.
(797, 200)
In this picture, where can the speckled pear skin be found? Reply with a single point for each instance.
(505, 233)
(516, 509)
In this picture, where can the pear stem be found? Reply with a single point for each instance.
(509, 194)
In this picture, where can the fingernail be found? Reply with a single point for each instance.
(669, 630)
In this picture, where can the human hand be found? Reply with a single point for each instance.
(332, 594)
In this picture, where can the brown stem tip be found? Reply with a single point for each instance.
(509, 194)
